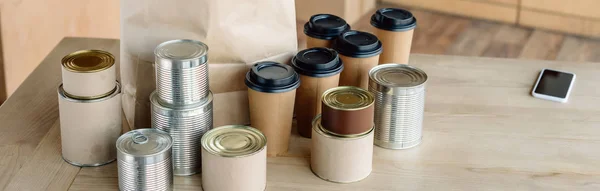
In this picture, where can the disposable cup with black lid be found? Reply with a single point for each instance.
(319, 70)
(394, 27)
(271, 93)
(322, 29)
(360, 52)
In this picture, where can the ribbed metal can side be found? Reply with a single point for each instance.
(398, 120)
(133, 177)
(186, 126)
(182, 87)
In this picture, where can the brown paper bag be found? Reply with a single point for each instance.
(238, 33)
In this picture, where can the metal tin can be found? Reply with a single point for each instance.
(181, 72)
(86, 138)
(234, 157)
(89, 74)
(340, 159)
(144, 160)
(186, 126)
(399, 91)
(347, 110)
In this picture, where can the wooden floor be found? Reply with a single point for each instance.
(439, 33)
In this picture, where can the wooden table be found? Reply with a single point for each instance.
(482, 131)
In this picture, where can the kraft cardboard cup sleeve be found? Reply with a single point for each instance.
(394, 27)
(360, 52)
(322, 29)
(271, 94)
(319, 70)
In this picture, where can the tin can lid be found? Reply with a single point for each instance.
(272, 77)
(393, 19)
(347, 98)
(388, 77)
(181, 54)
(358, 44)
(325, 26)
(144, 142)
(317, 62)
(234, 141)
(88, 61)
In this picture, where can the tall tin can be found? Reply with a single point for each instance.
(181, 72)
(234, 157)
(89, 128)
(399, 91)
(186, 126)
(144, 160)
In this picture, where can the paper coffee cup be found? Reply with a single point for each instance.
(319, 70)
(359, 51)
(271, 94)
(322, 29)
(394, 27)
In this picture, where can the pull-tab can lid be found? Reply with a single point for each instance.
(143, 143)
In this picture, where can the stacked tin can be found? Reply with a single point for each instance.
(399, 91)
(182, 102)
(342, 136)
(144, 160)
(89, 103)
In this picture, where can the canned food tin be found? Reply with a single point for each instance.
(181, 72)
(186, 126)
(234, 158)
(347, 110)
(340, 159)
(144, 160)
(89, 74)
(399, 91)
(89, 128)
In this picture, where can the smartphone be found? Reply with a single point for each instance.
(553, 85)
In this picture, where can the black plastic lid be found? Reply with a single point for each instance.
(357, 44)
(325, 26)
(393, 19)
(272, 77)
(317, 62)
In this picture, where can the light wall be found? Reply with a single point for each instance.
(31, 28)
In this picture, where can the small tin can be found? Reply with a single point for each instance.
(181, 72)
(89, 74)
(144, 160)
(186, 126)
(340, 159)
(347, 110)
(399, 91)
(89, 128)
(234, 157)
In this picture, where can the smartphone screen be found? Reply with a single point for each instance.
(554, 83)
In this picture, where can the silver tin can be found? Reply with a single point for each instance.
(399, 91)
(89, 128)
(144, 160)
(181, 72)
(186, 126)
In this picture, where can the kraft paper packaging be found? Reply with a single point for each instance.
(248, 173)
(89, 84)
(394, 27)
(341, 160)
(238, 34)
(322, 29)
(89, 129)
(319, 70)
(359, 52)
(356, 71)
(271, 94)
